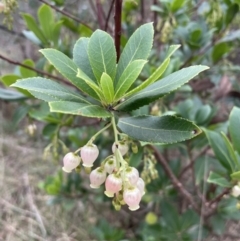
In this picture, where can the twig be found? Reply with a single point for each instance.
(12, 31)
(108, 15)
(218, 198)
(155, 14)
(65, 13)
(100, 14)
(93, 7)
(32, 205)
(34, 69)
(174, 179)
(118, 26)
(142, 11)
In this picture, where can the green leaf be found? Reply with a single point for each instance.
(231, 13)
(203, 114)
(128, 77)
(11, 95)
(218, 180)
(26, 73)
(19, 114)
(157, 73)
(236, 176)
(74, 108)
(219, 50)
(81, 59)
(177, 4)
(32, 25)
(91, 83)
(161, 88)
(220, 149)
(56, 32)
(68, 69)
(234, 124)
(107, 88)
(48, 90)
(137, 47)
(102, 54)
(45, 17)
(164, 129)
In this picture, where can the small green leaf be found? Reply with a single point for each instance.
(26, 73)
(82, 109)
(11, 95)
(48, 90)
(107, 88)
(128, 77)
(45, 17)
(157, 73)
(91, 83)
(236, 176)
(19, 114)
(234, 128)
(177, 4)
(203, 114)
(102, 54)
(137, 47)
(164, 129)
(81, 59)
(32, 25)
(218, 180)
(160, 88)
(68, 69)
(219, 50)
(220, 149)
(56, 32)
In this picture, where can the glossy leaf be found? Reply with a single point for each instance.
(107, 88)
(48, 90)
(128, 77)
(81, 59)
(177, 4)
(218, 180)
(82, 109)
(137, 47)
(68, 69)
(164, 129)
(157, 73)
(220, 149)
(102, 54)
(91, 83)
(32, 25)
(26, 73)
(45, 17)
(161, 88)
(234, 128)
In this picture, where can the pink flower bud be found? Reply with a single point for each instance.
(97, 177)
(70, 161)
(132, 175)
(113, 185)
(132, 197)
(123, 148)
(110, 165)
(89, 155)
(141, 186)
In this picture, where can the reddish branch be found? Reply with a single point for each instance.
(33, 69)
(100, 14)
(161, 159)
(118, 26)
(65, 13)
(108, 15)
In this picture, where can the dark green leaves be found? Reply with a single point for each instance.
(164, 129)
(102, 54)
(137, 47)
(218, 179)
(161, 88)
(234, 128)
(48, 90)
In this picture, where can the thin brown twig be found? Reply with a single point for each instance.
(161, 159)
(142, 11)
(118, 26)
(108, 15)
(65, 13)
(34, 69)
(218, 197)
(93, 7)
(100, 14)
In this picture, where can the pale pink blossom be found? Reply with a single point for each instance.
(89, 155)
(132, 175)
(132, 197)
(123, 148)
(110, 165)
(70, 161)
(97, 177)
(141, 186)
(113, 185)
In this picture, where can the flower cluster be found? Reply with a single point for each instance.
(122, 182)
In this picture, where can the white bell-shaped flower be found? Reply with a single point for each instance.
(70, 162)
(97, 177)
(141, 185)
(89, 155)
(132, 197)
(113, 185)
(110, 165)
(236, 191)
(132, 175)
(123, 148)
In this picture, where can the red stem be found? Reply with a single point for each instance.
(118, 26)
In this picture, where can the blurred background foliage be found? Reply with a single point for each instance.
(63, 207)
